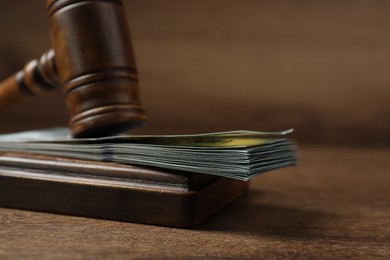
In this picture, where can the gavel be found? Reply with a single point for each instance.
(93, 61)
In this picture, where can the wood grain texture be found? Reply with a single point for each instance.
(112, 191)
(96, 66)
(318, 66)
(335, 205)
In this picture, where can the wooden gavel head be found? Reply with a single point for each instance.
(92, 59)
(95, 64)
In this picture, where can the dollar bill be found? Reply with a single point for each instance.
(235, 154)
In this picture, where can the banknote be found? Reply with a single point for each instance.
(238, 154)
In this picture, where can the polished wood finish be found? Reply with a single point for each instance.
(93, 60)
(96, 66)
(112, 191)
(335, 205)
(318, 66)
(36, 76)
(10, 92)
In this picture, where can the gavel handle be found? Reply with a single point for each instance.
(36, 76)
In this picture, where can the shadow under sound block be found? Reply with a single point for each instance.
(112, 191)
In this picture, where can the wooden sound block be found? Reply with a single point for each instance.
(112, 191)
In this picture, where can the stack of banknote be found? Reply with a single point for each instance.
(235, 154)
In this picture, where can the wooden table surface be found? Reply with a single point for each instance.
(335, 204)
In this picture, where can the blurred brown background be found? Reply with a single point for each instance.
(321, 67)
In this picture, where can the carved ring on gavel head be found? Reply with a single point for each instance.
(92, 59)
